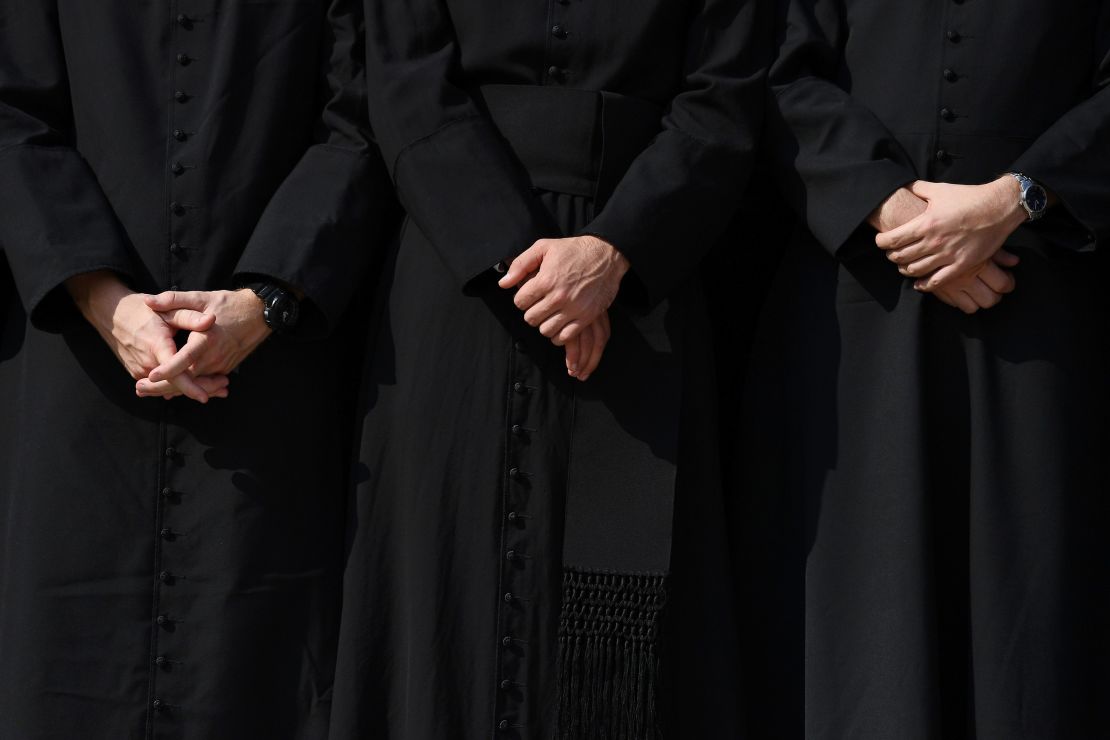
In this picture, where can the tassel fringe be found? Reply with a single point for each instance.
(608, 666)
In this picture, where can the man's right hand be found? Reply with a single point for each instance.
(982, 289)
(137, 335)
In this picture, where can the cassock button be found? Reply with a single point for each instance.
(165, 576)
(166, 533)
(184, 60)
(162, 620)
(520, 387)
(175, 249)
(501, 267)
(512, 516)
(177, 168)
(160, 660)
(507, 640)
(556, 73)
(947, 114)
(953, 36)
(180, 135)
(519, 345)
(177, 208)
(171, 452)
(167, 492)
(157, 705)
(510, 555)
(942, 155)
(508, 597)
(184, 21)
(950, 75)
(503, 724)
(180, 96)
(514, 473)
(505, 684)
(558, 32)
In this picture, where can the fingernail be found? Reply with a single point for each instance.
(584, 378)
(573, 369)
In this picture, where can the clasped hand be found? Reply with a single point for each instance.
(949, 238)
(565, 288)
(224, 328)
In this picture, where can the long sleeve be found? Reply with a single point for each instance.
(324, 226)
(55, 221)
(454, 174)
(680, 193)
(834, 159)
(1072, 158)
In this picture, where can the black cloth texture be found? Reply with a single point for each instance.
(511, 569)
(169, 570)
(926, 516)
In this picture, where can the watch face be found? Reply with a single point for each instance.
(1036, 198)
(282, 310)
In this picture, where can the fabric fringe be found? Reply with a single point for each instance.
(608, 665)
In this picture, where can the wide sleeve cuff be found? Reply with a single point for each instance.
(669, 210)
(471, 200)
(323, 231)
(55, 222)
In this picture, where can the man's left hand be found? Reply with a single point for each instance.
(576, 280)
(963, 227)
(238, 331)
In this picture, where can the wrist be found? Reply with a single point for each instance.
(1009, 207)
(97, 294)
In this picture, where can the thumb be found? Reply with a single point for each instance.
(524, 265)
(923, 189)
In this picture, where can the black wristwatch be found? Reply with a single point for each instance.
(1034, 198)
(280, 308)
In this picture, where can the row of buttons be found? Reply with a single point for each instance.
(166, 578)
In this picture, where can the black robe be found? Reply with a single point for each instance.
(169, 570)
(503, 123)
(929, 491)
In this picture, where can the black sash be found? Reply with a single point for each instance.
(624, 444)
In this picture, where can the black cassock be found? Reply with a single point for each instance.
(489, 476)
(169, 570)
(933, 485)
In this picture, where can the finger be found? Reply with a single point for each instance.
(146, 389)
(573, 349)
(903, 236)
(538, 312)
(941, 277)
(186, 319)
(213, 384)
(182, 381)
(1006, 259)
(182, 359)
(586, 362)
(600, 338)
(906, 255)
(525, 263)
(553, 325)
(531, 293)
(965, 302)
(570, 331)
(999, 280)
(171, 299)
(982, 294)
(924, 266)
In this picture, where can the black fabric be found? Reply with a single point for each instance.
(455, 579)
(239, 596)
(925, 487)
